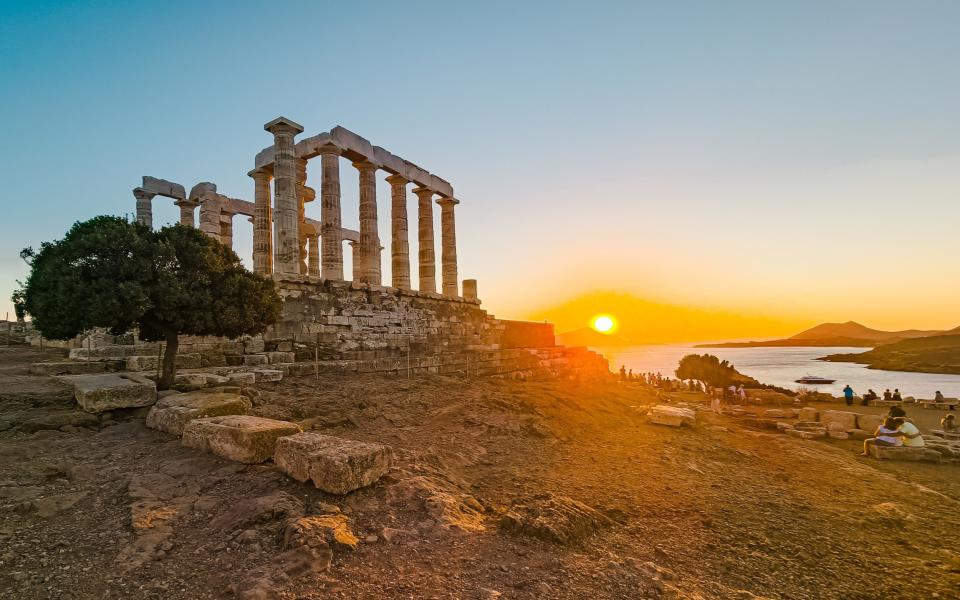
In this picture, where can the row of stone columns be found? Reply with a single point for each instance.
(291, 240)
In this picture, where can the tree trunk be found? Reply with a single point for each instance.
(169, 362)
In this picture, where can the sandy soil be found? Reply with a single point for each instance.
(105, 508)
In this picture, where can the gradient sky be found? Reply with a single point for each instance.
(795, 161)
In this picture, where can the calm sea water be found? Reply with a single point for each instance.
(781, 366)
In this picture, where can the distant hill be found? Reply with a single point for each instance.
(934, 354)
(851, 334)
(586, 336)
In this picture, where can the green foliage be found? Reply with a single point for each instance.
(708, 369)
(19, 302)
(107, 272)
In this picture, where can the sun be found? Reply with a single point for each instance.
(604, 324)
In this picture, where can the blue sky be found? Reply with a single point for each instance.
(798, 159)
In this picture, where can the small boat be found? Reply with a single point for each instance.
(814, 380)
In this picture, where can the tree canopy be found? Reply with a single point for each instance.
(108, 272)
(708, 369)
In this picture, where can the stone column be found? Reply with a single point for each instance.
(302, 199)
(144, 206)
(262, 219)
(426, 252)
(313, 255)
(357, 263)
(286, 204)
(399, 243)
(331, 236)
(470, 289)
(210, 216)
(369, 236)
(448, 248)
(226, 229)
(186, 212)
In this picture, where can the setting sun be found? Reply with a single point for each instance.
(604, 324)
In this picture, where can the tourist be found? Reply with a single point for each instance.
(896, 395)
(896, 412)
(949, 424)
(938, 397)
(623, 373)
(911, 434)
(743, 394)
(887, 434)
(870, 395)
(887, 396)
(848, 395)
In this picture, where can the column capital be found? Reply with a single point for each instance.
(187, 203)
(448, 201)
(328, 149)
(142, 194)
(397, 180)
(262, 173)
(282, 125)
(364, 165)
(423, 192)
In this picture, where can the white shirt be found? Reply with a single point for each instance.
(911, 429)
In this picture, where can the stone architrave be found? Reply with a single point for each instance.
(448, 256)
(144, 206)
(187, 212)
(331, 236)
(399, 243)
(286, 204)
(262, 220)
(369, 234)
(426, 253)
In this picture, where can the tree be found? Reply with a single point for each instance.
(19, 308)
(708, 369)
(107, 272)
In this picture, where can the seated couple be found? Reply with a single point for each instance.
(894, 431)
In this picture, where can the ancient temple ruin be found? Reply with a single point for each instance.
(331, 321)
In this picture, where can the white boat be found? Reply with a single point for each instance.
(814, 380)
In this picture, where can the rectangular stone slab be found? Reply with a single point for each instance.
(172, 413)
(333, 464)
(108, 391)
(904, 453)
(241, 438)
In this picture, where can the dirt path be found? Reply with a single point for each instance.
(107, 508)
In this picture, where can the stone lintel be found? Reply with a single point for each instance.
(281, 124)
(162, 187)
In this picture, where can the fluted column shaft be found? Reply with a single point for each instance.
(210, 217)
(186, 212)
(448, 247)
(286, 204)
(399, 242)
(302, 233)
(426, 253)
(313, 255)
(331, 236)
(369, 235)
(144, 206)
(262, 218)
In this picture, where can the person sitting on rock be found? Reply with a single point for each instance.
(887, 396)
(949, 424)
(870, 395)
(911, 434)
(896, 395)
(887, 434)
(938, 397)
(896, 412)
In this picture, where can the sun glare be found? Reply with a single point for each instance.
(604, 324)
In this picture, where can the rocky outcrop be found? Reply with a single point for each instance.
(554, 518)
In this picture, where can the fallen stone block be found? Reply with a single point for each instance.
(904, 453)
(69, 367)
(100, 393)
(783, 426)
(778, 413)
(241, 438)
(671, 416)
(808, 414)
(267, 375)
(280, 357)
(869, 422)
(842, 420)
(255, 360)
(807, 434)
(838, 435)
(334, 465)
(172, 413)
(242, 378)
(152, 363)
(859, 434)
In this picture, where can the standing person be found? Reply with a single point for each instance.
(623, 373)
(743, 394)
(848, 395)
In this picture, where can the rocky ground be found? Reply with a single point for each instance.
(499, 490)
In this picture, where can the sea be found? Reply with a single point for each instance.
(782, 366)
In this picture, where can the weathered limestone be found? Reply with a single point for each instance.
(808, 413)
(210, 213)
(331, 253)
(334, 465)
(313, 255)
(172, 413)
(672, 416)
(304, 195)
(262, 220)
(102, 392)
(399, 242)
(448, 247)
(226, 229)
(426, 252)
(369, 235)
(241, 438)
(187, 212)
(356, 260)
(144, 206)
(869, 422)
(839, 420)
(470, 289)
(286, 203)
(906, 453)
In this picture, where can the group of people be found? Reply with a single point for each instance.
(895, 430)
(658, 381)
(848, 396)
